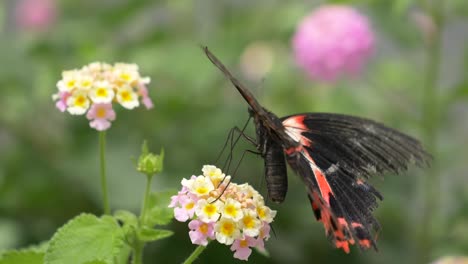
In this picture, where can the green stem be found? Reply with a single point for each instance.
(144, 208)
(138, 249)
(102, 155)
(139, 245)
(194, 255)
(430, 110)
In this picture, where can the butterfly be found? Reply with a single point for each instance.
(334, 155)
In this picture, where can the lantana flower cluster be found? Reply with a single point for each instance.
(218, 209)
(92, 89)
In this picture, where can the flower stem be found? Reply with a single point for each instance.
(102, 155)
(138, 252)
(139, 245)
(144, 208)
(194, 255)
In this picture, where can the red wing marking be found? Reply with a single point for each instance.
(335, 227)
(323, 185)
(294, 126)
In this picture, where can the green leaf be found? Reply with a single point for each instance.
(84, 239)
(159, 213)
(41, 247)
(29, 256)
(148, 234)
(159, 216)
(127, 217)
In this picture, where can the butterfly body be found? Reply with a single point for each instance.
(271, 150)
(334, 154)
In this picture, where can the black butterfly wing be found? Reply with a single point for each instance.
(337, 153)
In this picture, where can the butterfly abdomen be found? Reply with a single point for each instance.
(275, 172)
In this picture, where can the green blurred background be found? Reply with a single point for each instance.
(416, 82)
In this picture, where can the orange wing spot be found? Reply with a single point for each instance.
(342, 244)
(365, 243)
(339, 234)
(338, 229)
(355, 224)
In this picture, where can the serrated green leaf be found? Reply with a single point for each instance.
(30, 256)
(148, 234)
(84, 239)
(159, 216)
(127, 217)
(159, 213)
(41, 247)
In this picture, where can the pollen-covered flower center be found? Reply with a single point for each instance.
(230, 210)
(126, 96)
(248, 221)
(189, 206)
(80, 101)
(125, 76)
(101, 113)
(202, 190)
(71, 83)
(210, 209)
(227, 228)
(203, 228)
(243, 243)
(101, 92)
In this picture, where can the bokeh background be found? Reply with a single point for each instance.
(416, 81)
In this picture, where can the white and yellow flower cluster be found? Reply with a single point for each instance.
(96, 86)
(221, 210)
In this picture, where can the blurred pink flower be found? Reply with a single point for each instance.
(145, 99)
(100, 115)
(333, 40)
(201, 232)
(242, 247)
(62, 102)
(183, 204)
(36, 15)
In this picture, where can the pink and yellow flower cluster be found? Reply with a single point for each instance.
(221, 210)
(92, 89)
